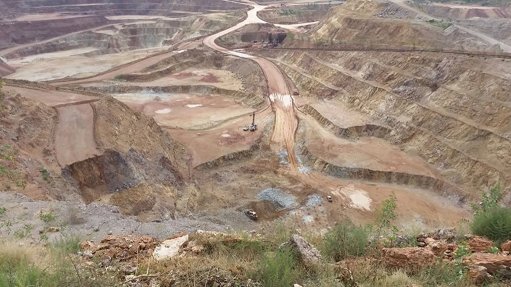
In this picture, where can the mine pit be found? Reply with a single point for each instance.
(209, 109)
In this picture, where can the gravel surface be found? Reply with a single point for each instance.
(313, 200)
(278, 197)
(95, 221)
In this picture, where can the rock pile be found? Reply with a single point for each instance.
(119, 248)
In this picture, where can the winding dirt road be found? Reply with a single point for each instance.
(279, 96)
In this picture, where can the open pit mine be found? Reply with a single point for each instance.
(140, 121)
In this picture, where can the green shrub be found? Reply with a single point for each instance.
(3, 210)
(345, 240)
(45, 174)
(47, 217)
(494, 224)
(279, 269)
(489, 200)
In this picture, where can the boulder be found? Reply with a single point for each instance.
(169, 248)
(506, 246)
(483, 266)
(308, 253)
(479, 244)
(408, 257)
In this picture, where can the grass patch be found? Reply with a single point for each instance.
(67, 245)
(345, 240)
(279, 268)
(22, 267)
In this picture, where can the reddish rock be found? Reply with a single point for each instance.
(506, 246)
(409, 257)
(479, 244)
(438, 247)
(120, 248)
(484, 266)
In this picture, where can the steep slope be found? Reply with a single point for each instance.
(365, 24)
(134, 157)
(453, 111)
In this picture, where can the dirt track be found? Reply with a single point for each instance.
(74, 135)
(286, 121)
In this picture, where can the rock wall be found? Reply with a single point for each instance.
(444, 108)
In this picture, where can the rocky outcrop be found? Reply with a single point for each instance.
(169, 248)
(309, 255)
(484, 267)
(421, 181)
(479, 244)
(412, 258)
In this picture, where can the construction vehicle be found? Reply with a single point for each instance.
(253, 126)
(251, 214)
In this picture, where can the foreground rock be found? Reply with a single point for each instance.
(506, 246)
(486, 266)
(479, 244)
(120, 248)
(308, 253)
(408, 258)
(169, 248)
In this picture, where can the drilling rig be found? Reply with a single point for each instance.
(253, 126)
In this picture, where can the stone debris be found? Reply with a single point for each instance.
(119, 248)
(308, 253)
(408, 257)
(169, 248)
(479, 244)
(281, 199)
(440, 247)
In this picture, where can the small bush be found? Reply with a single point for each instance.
(345, 240)
(494, 224)
(47, 217)
(45, 174)
(3, 210)
(279, 269)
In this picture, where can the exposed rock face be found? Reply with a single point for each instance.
(308, 253)
(484, 266)
(479, 244)
(408, 258)
(169, 248)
